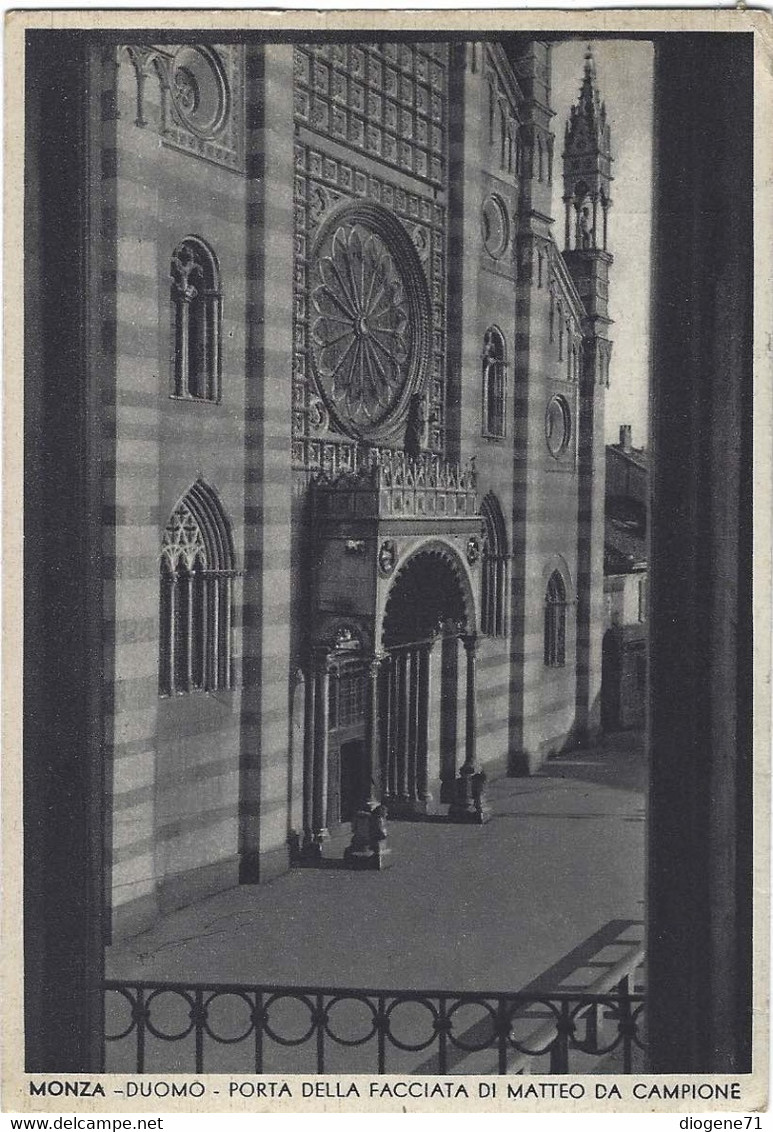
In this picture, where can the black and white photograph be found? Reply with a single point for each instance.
(387, 561)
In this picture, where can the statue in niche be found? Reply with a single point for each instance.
(585, 227)
(417, 426)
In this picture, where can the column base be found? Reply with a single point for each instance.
(375, 859)
(368, 849)
(469, 804)
(309, 850)
(407, 807)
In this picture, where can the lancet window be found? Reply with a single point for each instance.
(196, 317)
(494, 383)
(496, 569)
(196, 596)
(555, 621)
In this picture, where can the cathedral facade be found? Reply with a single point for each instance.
(353, 440)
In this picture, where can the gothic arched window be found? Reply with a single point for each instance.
(555, 622)
(196, 598)
(496, 569)
(196, 318)
(494, 383)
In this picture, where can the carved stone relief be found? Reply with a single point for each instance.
(385, 99)
(202, 98)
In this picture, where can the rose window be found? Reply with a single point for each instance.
(363, 329)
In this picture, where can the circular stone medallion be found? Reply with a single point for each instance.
(199, 90)
(558, 426)
(496, 227)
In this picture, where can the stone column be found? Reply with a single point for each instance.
(404, 732)
(422, 737)
(468, 804)
(471, 720)
(172, 642)
(372, 760)
(182, 360)
(321, 727)
(393, 727)
(412, 737)
(215, 655)
(188, 631)
(227, 601)
(368, 849)
(308, 761)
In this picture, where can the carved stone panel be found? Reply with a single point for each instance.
(387, 100)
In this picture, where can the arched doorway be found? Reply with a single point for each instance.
(429, 604)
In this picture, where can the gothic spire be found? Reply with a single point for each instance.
(587, 166)
(587, 123)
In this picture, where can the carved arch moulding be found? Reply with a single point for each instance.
(200, 89)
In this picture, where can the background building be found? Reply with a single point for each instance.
(624, 662)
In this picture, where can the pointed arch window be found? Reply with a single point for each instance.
(196, 596)
(494, 383)
(196, 318)
(496, 569)
(555, 622)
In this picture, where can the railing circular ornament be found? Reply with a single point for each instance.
(284, 997)
(371, 1017)
(370, 321)
(154, 999)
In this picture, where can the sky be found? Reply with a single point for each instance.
(624, 74)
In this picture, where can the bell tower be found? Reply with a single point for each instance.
(587, 200)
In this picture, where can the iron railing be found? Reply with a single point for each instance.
(432, 1031)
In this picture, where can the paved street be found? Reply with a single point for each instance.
(554, 882)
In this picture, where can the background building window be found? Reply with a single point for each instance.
(196, 317)
(494, 383)
(496, 569)
(196, 596)
(555, 622)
